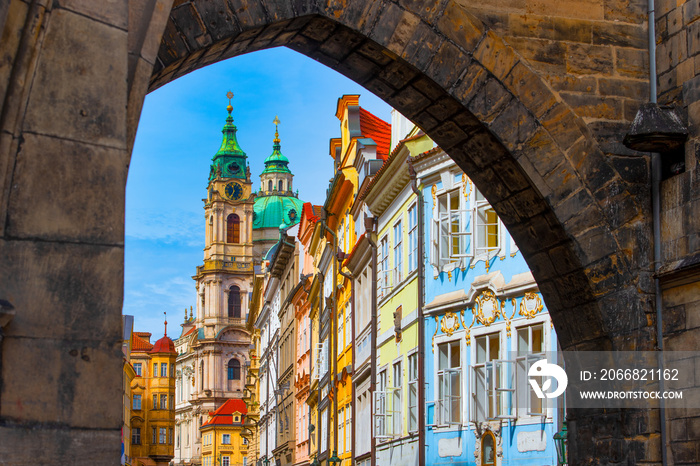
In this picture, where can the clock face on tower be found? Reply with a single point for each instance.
(233, 191)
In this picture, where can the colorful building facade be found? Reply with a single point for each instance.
(222, 443)
(152, 400)
(485, 325)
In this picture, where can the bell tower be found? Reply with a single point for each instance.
(223, 281)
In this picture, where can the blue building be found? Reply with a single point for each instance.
(485, 325)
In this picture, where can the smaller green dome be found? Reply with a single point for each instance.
(276, 162)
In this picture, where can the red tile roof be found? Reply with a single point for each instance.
(377, 129)
(164, 345)
(224, 415)
(311, 212)
(140, 344)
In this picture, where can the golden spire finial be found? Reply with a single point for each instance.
(165, 332)
(229, 94)
(276, 121)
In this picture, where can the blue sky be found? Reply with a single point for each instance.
(180, 131)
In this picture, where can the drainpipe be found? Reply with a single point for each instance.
(322, 279)
(656, 219)
(370, 224)
(421, 323)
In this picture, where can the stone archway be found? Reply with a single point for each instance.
(530, 138)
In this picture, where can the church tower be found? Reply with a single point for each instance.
(213, 353)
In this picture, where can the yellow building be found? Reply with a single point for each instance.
(222, 443)
(364, 141)
(127, 377)
(152, 400)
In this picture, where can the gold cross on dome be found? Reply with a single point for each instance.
(276, 121)
(229, 94)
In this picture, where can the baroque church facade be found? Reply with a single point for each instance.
(241, 225)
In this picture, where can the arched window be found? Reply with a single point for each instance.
(281, 185)
(234, 369)
(233, 229)
(269, 185)
(234, 302)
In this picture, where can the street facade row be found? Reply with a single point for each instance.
(393, 324)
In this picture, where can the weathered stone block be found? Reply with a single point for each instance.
(64, 291)
(574, 30)
(248, 14)
(562, 182)
(471, 83)
(589, 59)
(633, 63)
(447, 65)
(74, 383)
(691, 12)
(389, 17)
(405, 29)
(620, 34)
(460, 26)
(190, 26)
(398, 74)
(547, 56)
(58, 445)
(628, 11)
(88, 208)
(68, 92)
(490, 101)
(420, 49)
(409, 101)
(514, 125)
(591, 9)
(114, 12)
(538, 26)
(562, 125)
(495, 55)
(530, 89)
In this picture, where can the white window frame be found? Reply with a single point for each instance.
(445, 378)
(496, 377)
(524, 360)
(225, 461)
(412, 377)
(397, 231)
(226, 439)
(481, 236)
(383, 272)
(413, 238)
(397, 397)
(450, 226)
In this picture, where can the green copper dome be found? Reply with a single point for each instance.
(230, 161)
(273, 211)
(276, 162)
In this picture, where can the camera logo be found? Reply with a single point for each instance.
(544, 369)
